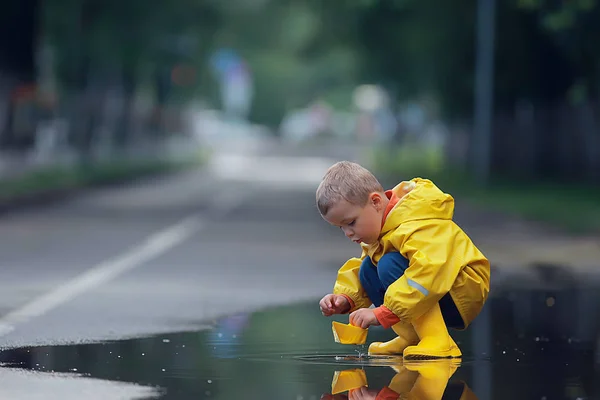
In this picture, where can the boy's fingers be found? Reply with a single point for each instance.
(329, 302)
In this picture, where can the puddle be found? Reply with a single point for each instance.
(527, 344)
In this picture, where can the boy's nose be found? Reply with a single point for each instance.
(348, 233)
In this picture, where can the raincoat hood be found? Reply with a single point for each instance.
(419, 199)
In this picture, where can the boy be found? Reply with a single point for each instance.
(418, 268)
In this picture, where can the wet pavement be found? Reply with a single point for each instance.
(528, 343)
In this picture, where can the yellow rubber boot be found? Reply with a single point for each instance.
(435, 341)
(406, 337)
(433, 379)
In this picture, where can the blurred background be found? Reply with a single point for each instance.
(477, 93)
(495, 101)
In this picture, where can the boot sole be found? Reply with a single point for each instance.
(452, 353)
(421, 357)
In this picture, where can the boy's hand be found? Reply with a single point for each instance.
(365, 317)
(334, 304)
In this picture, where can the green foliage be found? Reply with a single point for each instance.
(301, 50)
(111, 35)
(570, 206)
(52, 179)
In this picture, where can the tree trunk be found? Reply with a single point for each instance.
(19, 26)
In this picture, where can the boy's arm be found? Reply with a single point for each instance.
(348, 284)
(436, 253)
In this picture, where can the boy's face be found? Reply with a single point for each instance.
(359, 224)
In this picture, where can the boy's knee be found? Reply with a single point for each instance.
(367, 269)
(391, 266)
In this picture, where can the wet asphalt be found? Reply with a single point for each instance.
(228, 309)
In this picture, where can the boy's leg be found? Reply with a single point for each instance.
(429, 331)
(376, 279)
(450, 312)
(391, 266)
(370, 282)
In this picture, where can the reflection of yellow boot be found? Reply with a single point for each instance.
(435, 341)
(433, 379)
(404, 380)
(406, 337)
(347, 380)
(400, 384)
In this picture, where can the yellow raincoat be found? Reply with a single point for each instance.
(441, 257)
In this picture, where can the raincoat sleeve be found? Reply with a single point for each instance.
(348, 283)
(434, 264)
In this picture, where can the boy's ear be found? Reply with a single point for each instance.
(376, 199)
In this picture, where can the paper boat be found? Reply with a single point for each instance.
(348, 334)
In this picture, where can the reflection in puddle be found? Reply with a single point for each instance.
(347, 359)
(424, 381)
(522, 347)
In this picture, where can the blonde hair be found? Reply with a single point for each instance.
(348, 181)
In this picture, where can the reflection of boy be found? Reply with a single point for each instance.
(418, 381)
(419, 269)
